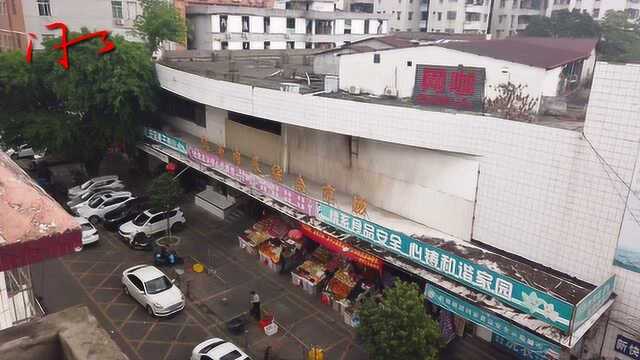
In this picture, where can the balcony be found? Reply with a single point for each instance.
(475, 25)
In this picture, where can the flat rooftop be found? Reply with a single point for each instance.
(271, 69)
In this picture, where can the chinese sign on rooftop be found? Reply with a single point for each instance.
(537, 303)
(454, 87)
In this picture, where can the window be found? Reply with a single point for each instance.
(472, 17)
(439, 16)
(410, 1)
(347, 26)
(514, 19)
(291, 24)
(267, 24)
(410, 15)
(409, 63)
(502, 18)
(223, 24)
(596, 13)
(503, 3)
(424, 15)
(224, 45)
(267, 45)
(366, 26)
(156, 219)
(235, 354)
(3, 7)
(116, 9)
(398, 14)
(515, 4)
(449, 31)
(376, 58)
(256, 122)
(291, 44)
(245, 45)
(183, 108)
(44, 8)
(486, 17)
(632, 13)
(245, 24)
(135, 281)
(451, 15)
(308, 45)
(158, 285)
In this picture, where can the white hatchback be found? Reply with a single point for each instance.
(153, 290)
(103, 182)
(217, 349)
(95, 209)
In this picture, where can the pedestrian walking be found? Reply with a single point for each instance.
(255, 306)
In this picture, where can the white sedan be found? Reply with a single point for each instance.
(95, 209)
(153, 290)
(103, 182)
(218, 349)
(86, 197)
(89, 233)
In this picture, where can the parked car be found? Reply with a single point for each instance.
(217, 349)
(153, 290)
(137, 231)
(89, 233)
(103, 182)
(86, 197)
(25, 151)
(95, 209)
(125, 213)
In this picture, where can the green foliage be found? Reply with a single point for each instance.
(398, 328)
(160, 21)
(165, 192)
(80, 112)
(563, 23)
(620, 38)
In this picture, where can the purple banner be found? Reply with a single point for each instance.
(277, 191)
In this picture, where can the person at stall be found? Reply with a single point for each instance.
(255, 305)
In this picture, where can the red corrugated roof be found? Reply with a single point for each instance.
(33, 226)
(545, 53)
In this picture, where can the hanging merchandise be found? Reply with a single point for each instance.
(447, 327)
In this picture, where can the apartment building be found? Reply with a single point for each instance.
(404, 15)
(290, 25)
(507, 17)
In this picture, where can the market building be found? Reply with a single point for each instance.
(510, 227)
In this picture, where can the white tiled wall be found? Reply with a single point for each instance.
(542, 192)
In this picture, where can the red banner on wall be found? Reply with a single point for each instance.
(337, 246)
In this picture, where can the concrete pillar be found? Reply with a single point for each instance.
(284, 139)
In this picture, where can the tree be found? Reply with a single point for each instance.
(80, 112)
(511, 102)
(620, 37)
(165, 193)
(397, 328)
(563, 23)
(160, 21)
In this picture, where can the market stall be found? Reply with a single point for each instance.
(313, 271)
(281, 255)
(270, 227)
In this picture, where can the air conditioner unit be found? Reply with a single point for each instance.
(354, 89)
(118, 22)
(388, 91)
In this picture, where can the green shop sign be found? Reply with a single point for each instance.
(166, 140)
(593, 302)
(521, 338)
(539, 304)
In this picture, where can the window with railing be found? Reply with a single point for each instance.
(116, 9)
(472, 17)
(44, 8)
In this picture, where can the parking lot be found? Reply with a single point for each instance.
(92, 277)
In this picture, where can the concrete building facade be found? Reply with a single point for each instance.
(221, 27)
(12, 26)
(546, 194)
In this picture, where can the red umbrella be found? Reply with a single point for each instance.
(295, 234)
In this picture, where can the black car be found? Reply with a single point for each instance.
(128, 211)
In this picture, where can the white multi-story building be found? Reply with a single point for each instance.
(116, 16)
(296, 25)
(404, 15)
(510, 16)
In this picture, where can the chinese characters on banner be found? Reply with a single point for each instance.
(593, 302)
(65, 43)
(539, 304)
(512, 333)
(520, 351)
(166, 140)
(628, 347)
(279, 192)
(450, 87)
